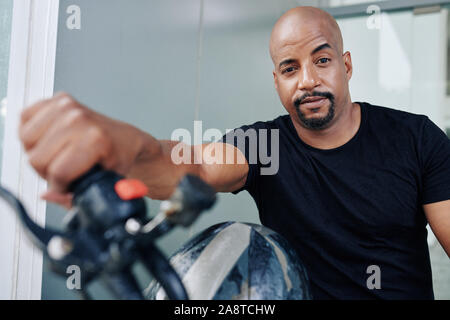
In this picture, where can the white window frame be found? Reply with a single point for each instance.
(31, 77)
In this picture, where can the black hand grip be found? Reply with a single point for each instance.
(197, 194)
(194, 196)
(81, 183)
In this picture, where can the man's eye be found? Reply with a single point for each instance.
(287, 70)
(323, 60)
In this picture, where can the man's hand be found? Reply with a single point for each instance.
(64, 139)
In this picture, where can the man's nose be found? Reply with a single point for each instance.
(308, 78)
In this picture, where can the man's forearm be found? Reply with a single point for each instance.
(154, 167)
(221, 165)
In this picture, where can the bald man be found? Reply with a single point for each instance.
(354, 189)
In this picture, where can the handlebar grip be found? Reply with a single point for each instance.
(81, 183)
(194, 196)
(197, 194)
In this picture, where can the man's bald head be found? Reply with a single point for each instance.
(292, 25)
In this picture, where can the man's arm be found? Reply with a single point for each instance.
(438, 215)
(221, 165)
(64, 139)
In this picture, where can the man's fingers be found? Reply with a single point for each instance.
(63, 199)
(64, 139)
(77, 158)
(38, 119)
(62, 133)
(30, 111)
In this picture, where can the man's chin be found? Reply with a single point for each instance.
(317, 116)
(316, 121)
(315, 125)
(312, 115)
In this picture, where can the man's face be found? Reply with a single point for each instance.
(311, 75)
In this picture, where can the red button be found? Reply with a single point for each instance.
(128, 189)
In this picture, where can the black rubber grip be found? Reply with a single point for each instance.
(81, 183)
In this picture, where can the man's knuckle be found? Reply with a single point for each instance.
(55, 174)
(66, 103)
(26, 138)
(76, 116)
(98, 136)
(36, 162)
(61, 96)
(24, 115)
(28, 112)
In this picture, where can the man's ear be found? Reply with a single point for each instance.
(348, 65)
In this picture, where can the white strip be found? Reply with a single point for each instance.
(31, 77)
(207, 273)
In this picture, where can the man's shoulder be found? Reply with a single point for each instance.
(391, 112)
(392, 118)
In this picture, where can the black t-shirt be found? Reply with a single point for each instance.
(355, 206)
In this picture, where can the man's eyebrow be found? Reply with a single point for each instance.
(287, 61)
(321, 47)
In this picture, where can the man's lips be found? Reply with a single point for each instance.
(313, 102)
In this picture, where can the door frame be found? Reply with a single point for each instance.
(30, 78)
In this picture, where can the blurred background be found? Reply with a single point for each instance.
(161, 64)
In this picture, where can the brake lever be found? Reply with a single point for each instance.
(56, 245)
(39, 236)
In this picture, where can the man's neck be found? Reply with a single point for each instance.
(339, 133)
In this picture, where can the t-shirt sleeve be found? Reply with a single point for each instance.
(259, 142)
(245, 139)
(435, 146)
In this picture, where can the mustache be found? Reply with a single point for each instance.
(327, 95)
